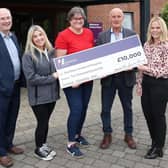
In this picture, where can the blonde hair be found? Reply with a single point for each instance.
(164, 34)
(30, 47)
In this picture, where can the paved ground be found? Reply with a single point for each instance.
(117, 156)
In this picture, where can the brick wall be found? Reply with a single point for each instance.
(100, 13)
(156, 6)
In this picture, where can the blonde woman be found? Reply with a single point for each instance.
(152, 85)
(42, 84)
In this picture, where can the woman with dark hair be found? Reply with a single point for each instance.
(73, 39)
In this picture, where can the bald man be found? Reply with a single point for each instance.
(10, 75)
(122, 82)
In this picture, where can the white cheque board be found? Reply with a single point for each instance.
(100, 61)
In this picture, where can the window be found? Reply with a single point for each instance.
(128, 20)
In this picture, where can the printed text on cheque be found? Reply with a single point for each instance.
(100, 61)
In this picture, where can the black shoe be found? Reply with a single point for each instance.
(41, 153)
(153, 153)
(82, 141)
(150, 150)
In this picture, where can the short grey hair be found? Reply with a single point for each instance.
(6, 9)
(75, 10)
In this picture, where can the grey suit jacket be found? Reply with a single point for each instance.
(129, 76)
(42, 86)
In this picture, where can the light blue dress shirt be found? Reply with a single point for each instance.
(114, 36)
(13, 52)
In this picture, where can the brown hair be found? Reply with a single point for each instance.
(75, 10)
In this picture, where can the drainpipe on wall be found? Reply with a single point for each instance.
(144, 18)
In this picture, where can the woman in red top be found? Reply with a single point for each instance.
(152, 84)
(73, 39)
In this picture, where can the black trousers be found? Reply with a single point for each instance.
(42, 113)
(154, 101)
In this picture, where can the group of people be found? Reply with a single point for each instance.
(43, 87)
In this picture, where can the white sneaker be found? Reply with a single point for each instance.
(49, 150)
(42, 154)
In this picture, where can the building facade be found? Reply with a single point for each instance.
(51, 14)
(99, 13)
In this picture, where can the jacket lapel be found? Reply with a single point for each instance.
(13, 37)
(124, 33)
(3, 50)
(108, 35)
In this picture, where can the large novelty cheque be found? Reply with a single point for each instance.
(100, 61)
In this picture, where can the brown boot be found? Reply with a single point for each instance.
(130, 141)
(6, 161)
(106, 141)
(16, 150)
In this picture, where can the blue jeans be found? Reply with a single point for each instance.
(78, 99)
(107, 97)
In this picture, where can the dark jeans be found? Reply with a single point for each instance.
(42, 113)
(107, 97)
(9, 108)
(154, 101)
(78, 99)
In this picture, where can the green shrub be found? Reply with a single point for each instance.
(164, 13)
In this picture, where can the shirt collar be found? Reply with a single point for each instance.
(121, 30)
(4, 35)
